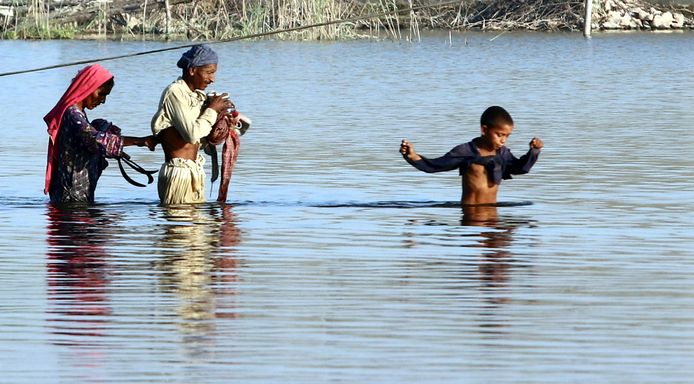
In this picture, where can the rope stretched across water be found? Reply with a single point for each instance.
(245, 37)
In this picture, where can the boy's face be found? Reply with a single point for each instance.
(203, 76)
(495, 136)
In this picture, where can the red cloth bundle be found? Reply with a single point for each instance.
(224, 132)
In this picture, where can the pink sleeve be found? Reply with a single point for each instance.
(112, 144)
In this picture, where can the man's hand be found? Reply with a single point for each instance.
(219, 103)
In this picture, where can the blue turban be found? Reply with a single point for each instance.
(197, 56)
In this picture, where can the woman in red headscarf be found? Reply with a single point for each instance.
(77, 149)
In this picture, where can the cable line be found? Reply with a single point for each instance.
(246, 37)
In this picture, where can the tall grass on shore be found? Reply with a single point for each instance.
(199, 20)
(296, 13)
(32, 20)
(224, 19)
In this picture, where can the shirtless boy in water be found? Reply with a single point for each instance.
(484, 161)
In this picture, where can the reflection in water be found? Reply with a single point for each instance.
(495, 239)
(490, 233)
(78, 281)
(197, 264)
(77, 270)
(192, 252)
(495, 242)
(490, 237)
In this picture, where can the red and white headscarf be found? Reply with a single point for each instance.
(88, 80)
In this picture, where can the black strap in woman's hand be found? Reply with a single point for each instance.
(125, 158)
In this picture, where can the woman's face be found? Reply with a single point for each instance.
(97, 97)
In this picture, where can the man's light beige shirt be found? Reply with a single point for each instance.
(179, 107)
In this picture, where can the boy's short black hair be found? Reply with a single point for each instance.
(494, 116)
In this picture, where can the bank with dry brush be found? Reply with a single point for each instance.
(224, 19)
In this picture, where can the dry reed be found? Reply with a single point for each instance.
(223, 19)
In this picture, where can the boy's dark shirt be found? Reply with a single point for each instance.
(499, 166)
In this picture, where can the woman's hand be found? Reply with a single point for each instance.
(147, 141)
(150, 142)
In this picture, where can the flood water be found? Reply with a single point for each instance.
(335, 261)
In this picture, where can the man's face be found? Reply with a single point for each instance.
(203, 76)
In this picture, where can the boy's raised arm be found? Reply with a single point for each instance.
(448, 162)
(525, 163)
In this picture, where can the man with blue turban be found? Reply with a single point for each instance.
(197, 56)
(181, 122)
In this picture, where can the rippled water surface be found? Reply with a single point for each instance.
(335, 261)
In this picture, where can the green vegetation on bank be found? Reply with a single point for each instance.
(224, 19)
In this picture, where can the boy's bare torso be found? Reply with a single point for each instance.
(478, 188)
